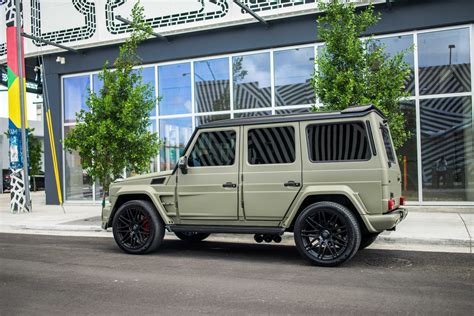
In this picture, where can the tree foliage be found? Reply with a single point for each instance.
(34, 154)
(352, 71)
(114, 134)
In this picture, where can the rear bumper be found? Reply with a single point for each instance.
(379, 223)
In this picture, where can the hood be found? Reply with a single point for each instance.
(145, 176)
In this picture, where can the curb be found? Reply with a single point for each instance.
(62, 228)
(381, 240)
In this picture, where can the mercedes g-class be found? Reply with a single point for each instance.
(330, 178)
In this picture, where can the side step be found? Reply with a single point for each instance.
(216, 229)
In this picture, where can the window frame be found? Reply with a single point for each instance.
(338, 161)
(271, 164)
(384, 128)
(201, 132)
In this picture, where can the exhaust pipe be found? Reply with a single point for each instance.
(277, 238)
(258, 238)
(268, 238)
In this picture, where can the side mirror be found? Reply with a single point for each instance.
(183, 164)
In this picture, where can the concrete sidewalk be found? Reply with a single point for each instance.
(427, 229)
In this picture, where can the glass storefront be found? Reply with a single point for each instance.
(436, 162)
(252, 81)
(447, 149)
(212, 85)
(293, 72)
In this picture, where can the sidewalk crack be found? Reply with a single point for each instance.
(469, 234)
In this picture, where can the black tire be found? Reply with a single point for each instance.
(192, 236)
(137, 228)
(327, 234)
(367, 240)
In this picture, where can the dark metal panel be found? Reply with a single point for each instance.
(54, 93)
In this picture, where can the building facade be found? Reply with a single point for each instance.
(247, 69)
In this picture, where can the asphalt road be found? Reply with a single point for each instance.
(69, 275)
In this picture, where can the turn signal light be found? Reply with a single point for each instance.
(402, 200)
(391, 204)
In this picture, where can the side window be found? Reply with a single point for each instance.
(272, 145)
(387, 141)
(213, 149)
(338, 142)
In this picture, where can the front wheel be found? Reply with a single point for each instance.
(191, 236)
(137, 228)
(327, 234)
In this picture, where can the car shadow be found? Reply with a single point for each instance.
(281, 254)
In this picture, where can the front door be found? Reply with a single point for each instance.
(210, 188)
(271, 170)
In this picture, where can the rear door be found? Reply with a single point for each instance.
(393, 186)
(271, 169)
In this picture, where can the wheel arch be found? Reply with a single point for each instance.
(342, 195)
(144, 196)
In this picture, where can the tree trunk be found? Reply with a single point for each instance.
(105, 188)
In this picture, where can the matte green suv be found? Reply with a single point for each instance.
(331, 178)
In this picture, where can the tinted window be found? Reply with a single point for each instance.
(387, 142)
(338, 142)
(213, 149)
(271, 145)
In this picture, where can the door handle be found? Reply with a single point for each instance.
(229, 185)
(292, 184)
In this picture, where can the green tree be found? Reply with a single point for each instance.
(352, 71)
(34, 156)
(115, 134)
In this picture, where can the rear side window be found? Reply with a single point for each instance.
(387, 141)
(213, 149)
(272, 145)
(338, 142)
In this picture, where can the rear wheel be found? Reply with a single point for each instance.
(367, 240)
(327, 234)
(137, 228)
(192, 236)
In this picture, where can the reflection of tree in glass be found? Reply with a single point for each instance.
(238, 73)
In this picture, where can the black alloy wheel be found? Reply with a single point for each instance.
(327, 234)
(137, 228)
(191, 236)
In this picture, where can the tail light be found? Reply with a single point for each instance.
(402, 200)
(391, 204)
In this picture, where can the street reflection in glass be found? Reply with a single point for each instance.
(252, 84)
(447, 149)
(174, 88)
(212, 85)
(444, 65)
(293, 69)
(175, 133)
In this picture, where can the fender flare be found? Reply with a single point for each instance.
(314, 190)
(142, 190)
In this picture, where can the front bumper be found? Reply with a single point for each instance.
(106, 210)
(379, 223)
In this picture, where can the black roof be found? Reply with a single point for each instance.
(354, 111)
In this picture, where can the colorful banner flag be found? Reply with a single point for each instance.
(18, 200)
